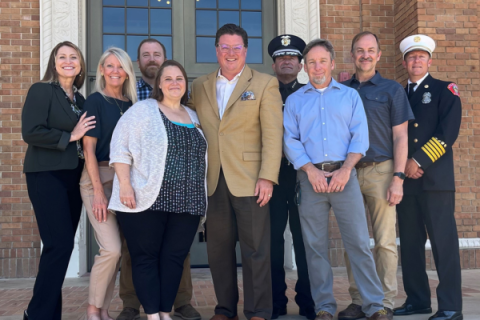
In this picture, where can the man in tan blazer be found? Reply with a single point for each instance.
(240, 111)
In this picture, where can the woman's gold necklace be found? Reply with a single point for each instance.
(119, 108)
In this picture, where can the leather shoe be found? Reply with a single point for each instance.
(447, 315)
(389, 313)
(408, 309)
(307, 312)
(379, 315)
(352, 312)
(277, 312)
(323, 315)
(223, 317)
(25, 317)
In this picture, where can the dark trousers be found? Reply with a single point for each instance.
(158, 243)
(228, 216)
(283, 209)
(432, 213)
(55, 197)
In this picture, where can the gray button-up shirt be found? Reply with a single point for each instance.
(324, 126)
(386, 105)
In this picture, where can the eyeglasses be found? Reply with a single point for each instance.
(225, 49)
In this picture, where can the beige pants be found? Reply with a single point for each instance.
(374, 182)
(107, 262)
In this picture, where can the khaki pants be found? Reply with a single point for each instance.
(105, 267)
(374, 182)
(127, 290)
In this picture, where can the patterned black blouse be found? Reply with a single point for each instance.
(183, 186)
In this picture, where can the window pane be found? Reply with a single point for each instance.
(206, 4)
(206, 22)
(161, 3)
(113, 41)
(255, 52)
(252, 4)
(228, 17)
(137, 3)
(132, 46)
(228, 4)
(137, 21)
(252, 23)
(113, 20)
(167, 42)
(114, 2)
(206, 50)
(161, 21)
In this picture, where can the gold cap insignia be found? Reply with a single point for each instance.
(417, 39)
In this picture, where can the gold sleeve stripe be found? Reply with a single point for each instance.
(432, 151)
(433, 147)
(437, 142)
(428, 154)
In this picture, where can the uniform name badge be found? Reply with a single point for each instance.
(427, 98)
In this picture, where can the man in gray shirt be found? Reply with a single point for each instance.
(381, 171)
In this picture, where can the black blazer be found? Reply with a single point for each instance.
(438, 114)
(47, 123)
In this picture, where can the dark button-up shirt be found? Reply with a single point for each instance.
(324, 125)
(289, 88)
(386, 106)
(143, 90)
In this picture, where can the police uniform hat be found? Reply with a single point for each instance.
(417, 42)
(286, 45)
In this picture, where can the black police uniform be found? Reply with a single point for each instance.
(283, 208)
(428, 204)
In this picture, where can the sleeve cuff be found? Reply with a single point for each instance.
(418, 164)
(357, 148)
(64, 141)
(430, 152)
(124, 160)
(300, 162)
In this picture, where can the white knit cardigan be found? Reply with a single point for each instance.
(140, 140)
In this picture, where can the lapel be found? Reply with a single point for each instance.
(417, 97)
(65, 105)
(210, 86)
(242, 85)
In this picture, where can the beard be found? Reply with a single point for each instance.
(319, 80)
(148, 71)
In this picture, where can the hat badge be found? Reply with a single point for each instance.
(285, 40)
(417, 39)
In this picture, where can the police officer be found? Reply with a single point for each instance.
(428, 204)
(286, 52)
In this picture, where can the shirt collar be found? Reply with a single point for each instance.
(419, 81)
(376, 79)
(287, 85)
(219, 75)
(333, 84)
(141, 83)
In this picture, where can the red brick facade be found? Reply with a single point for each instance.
(452, 23)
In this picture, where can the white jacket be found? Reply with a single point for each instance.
(140, 140)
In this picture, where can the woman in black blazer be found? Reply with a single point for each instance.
(52, 127)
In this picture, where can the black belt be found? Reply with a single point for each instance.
(329, 166)
(362, 165)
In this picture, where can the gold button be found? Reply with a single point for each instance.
(415, 125)
(415, 140)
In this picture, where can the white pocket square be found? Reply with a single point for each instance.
(248, 95)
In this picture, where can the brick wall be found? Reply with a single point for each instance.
(19, 68)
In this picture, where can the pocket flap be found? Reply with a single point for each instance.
(252, 156)
(376, 97)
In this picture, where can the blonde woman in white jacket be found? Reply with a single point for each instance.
(159, 194)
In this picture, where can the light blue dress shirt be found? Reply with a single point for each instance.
(324, 126)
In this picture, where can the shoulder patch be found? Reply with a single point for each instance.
(454, 89)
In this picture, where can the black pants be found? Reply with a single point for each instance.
(229, 216)
(435, 212)
(283, 208)
(55, 197)
(158, 243)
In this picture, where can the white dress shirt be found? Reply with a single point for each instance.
(225, 88)
(419, 82)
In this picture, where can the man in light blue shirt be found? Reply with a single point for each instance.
(326, 134)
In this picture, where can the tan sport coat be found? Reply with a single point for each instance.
(247, 142)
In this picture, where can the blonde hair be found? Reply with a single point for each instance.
(129, 89)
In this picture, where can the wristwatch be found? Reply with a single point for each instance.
(401, 175)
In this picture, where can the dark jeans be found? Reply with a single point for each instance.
(283, 209)
(55, 197)
(430, 213)
(158, 243)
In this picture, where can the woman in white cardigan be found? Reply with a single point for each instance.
(159, 193)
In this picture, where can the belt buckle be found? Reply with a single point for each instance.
(325, 163)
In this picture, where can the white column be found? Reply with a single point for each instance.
(63, 20)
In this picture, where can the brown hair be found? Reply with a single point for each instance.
(232, 29)
(327, 45)
(151, 40)
(361, 35)
(51, 72)
(157, 93)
